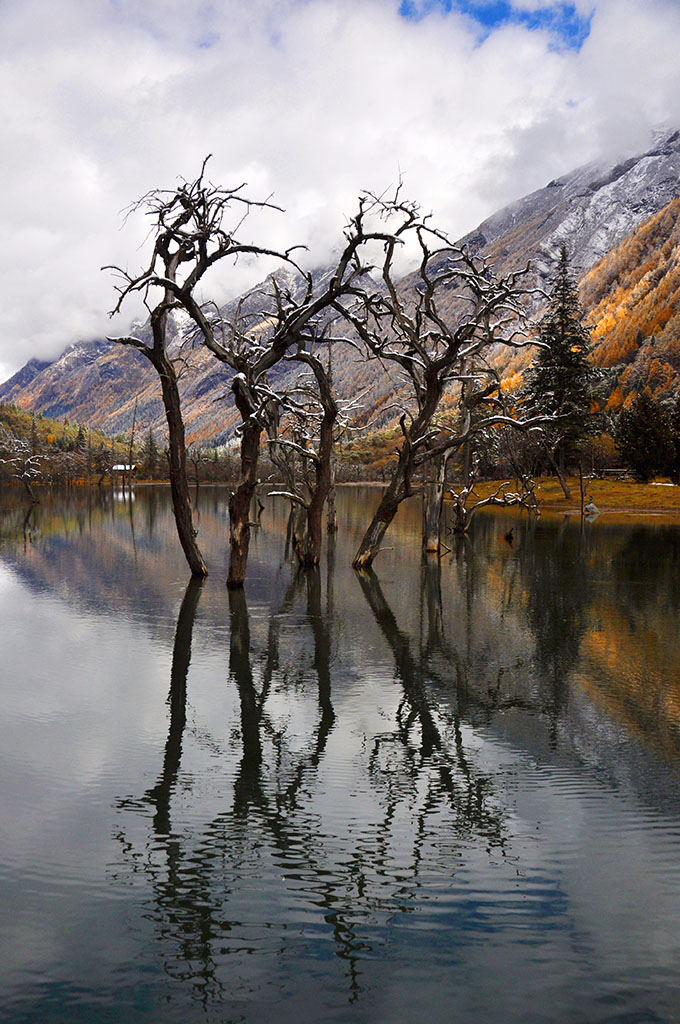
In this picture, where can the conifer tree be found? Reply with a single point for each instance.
(644, 437)
(150, 454)
(561, 382)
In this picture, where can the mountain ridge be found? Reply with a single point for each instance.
(591, 209)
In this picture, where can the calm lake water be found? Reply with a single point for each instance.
(446, 791)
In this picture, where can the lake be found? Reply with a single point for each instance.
(448, 790)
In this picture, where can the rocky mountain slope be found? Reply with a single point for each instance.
(592, 210)
(633, 302)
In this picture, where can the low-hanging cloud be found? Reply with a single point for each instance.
(311, 100)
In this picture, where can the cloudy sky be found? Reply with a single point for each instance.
(473, 102)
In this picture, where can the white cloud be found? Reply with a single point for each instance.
(310, 99)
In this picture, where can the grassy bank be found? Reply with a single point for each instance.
(608, 495)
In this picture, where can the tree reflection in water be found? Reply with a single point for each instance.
(442, 766)
(345, 881)
(180, 896)
(159, 796)
(543, 586)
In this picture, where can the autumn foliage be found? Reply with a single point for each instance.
(633, 302)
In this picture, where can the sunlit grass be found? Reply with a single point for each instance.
(608, 495)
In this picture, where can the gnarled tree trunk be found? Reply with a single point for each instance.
(331, 507)
(400, 484)
(179, 485)
(309, 545)
(387, 509)
(461, 515)
(240, 503)
(433, 499)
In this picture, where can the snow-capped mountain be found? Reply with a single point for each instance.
(591, 209)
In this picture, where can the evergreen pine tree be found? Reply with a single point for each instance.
(150, 454)
(561, 382)
(644, 437)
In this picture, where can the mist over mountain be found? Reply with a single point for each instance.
(592, 210)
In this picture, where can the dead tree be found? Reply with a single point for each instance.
(478, 400)
(191, 233)
(466, 502)
(313, 418)
(433, 503)
(317, 414)
(437, 328)
(253, 343)
(24, 464)
(307, 437)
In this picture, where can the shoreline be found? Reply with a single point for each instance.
(624, 497)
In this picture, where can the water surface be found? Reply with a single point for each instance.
(446, 790)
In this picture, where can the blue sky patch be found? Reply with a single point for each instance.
(562, 19)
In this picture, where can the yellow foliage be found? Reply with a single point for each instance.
(633, 299)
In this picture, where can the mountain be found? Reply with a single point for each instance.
(592, 210)
(633, 299)
(100, 382)
(32, 368)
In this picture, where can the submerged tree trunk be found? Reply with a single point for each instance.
(400, 484)
(298, 520)
(29, 490)
(332, 519)
(309, 547)
(309, 543)
(240, 503)
(461, 515)
(433, 500)
(179, 486)
(387, 509)
(290, 532)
